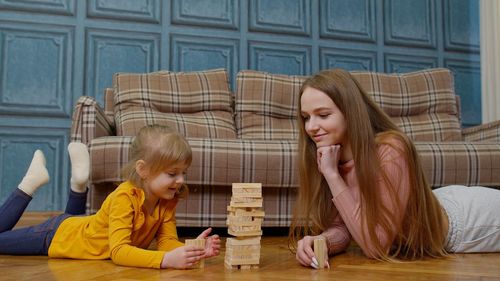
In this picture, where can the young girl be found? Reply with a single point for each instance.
(139, 210)
(369, 184)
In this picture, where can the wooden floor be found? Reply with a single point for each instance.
(277, 263)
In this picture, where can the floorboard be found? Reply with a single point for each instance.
(277, 263)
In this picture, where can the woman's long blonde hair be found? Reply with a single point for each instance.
(159, 147)
(421, 233)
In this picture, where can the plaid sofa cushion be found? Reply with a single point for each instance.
(206, 206)
(219, 162)
(422, 103)
(109, 104)
(197, 104)
(266, 105)
(216, 162)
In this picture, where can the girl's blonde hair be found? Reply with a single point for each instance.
(421, 233)
(159, 147)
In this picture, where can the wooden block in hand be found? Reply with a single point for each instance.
(320, 251)
(200, 243)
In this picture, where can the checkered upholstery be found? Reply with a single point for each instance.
(266, 105)
(449, 155)
(196, 104)
(421, 103)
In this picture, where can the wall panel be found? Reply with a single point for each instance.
(350, 20)
(405, 63)
(135, 10)
(281, 16)
(54, 51)
(348, 59)
(216, 13)
(192, 53)
(35, 74)
(110, 51)
(17, 146)
(410, 23)
(277, 58)
(65, 7)
(460, 25)
(467, 84)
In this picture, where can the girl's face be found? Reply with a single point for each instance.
(165, 184)
(324, 122)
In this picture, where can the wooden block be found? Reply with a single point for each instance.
(244, 251)
(229, 266)
(246, 212)
(243, 241)
(246, 202)
(248, 225)
(245, 233)
(247, 189)
(243, 261)
(198, 243)
(320, 251)
(245, 267)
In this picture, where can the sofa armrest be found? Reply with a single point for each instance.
(89, 121)
(461, 163)
(485, 132)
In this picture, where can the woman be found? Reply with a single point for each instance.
(369, 184)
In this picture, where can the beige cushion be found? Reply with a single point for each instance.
(421, 103)
(196, 104)
(266, 105)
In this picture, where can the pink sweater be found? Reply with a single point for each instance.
(347, 200)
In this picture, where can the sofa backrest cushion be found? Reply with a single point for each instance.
(421, 103)
(196, 104)
(266, 105)
(109, 104)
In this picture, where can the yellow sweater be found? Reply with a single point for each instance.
(120, 230)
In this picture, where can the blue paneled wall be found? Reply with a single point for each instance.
(53, 51)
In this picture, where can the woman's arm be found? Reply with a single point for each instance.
(337, 236)
(347, 199)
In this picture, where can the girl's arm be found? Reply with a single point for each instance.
(166, 236)
(122, 252)
(121, 221)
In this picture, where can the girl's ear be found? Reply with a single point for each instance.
(141, 169)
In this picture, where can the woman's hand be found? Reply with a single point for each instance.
(305, 253)
(182, 257)
(212, 243)
(328, 158)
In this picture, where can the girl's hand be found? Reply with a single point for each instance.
(212, 243)
(182, 257)
(305, 253)
(328, 158)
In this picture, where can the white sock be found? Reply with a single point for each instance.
(80, 164)
(37, 174)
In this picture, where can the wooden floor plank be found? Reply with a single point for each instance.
(277, 263)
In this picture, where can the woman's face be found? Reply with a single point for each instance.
(324, 122)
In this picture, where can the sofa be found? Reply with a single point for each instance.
(251, 135)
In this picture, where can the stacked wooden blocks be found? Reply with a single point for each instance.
(244, 221)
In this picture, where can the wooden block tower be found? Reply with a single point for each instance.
(244, 221)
